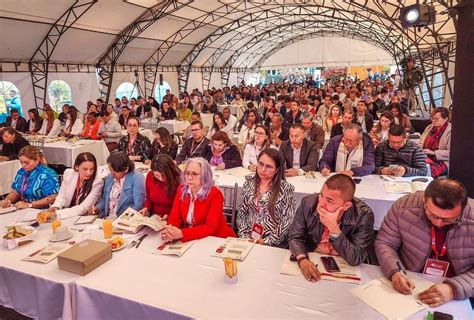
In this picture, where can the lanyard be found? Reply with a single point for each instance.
(78, 191)
(433, 244)
(24, 187)
(191, 152)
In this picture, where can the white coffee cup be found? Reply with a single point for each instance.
(62, 233)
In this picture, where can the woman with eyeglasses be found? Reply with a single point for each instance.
(161, 185)
(134, 144)
(197, 210)
(261, 141)
(436, 142)
(268, 202)
(80, 190)
(222, 153)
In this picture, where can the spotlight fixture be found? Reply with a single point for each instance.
(417, 15)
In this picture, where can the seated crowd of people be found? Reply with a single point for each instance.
(275, 140)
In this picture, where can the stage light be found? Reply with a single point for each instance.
(417, 15)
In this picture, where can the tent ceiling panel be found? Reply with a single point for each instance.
(80, 46)
(138, 51)
(37, 10)
(20, 39)
(176, 54)
(109, 16)
(164, 28)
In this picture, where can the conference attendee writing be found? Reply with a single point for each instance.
(436, 142)
(301, 155)
(198, 206)
(222, 153)
(123, 188)
(261, 141)
(74, 125)
(34, 123)
(195, 146)
(332, 222)
(35, 185)
(430, 232)
(351, 154)
(134, 144)
(15, 121)
(161, 185)
(268, 202)
(110, 130)
(51, 127)
(80, 190)
(13, 142)
(398, 156)
(91, 128)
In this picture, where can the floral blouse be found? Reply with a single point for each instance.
(141, 146)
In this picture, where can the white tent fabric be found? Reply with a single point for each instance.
(326, 52)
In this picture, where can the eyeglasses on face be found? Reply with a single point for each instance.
(191, 174)
(259, 133)
(263, 165)
(433, 216)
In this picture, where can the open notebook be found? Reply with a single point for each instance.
(383, 298)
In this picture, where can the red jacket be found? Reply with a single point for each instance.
(91, 131)
(209, 218)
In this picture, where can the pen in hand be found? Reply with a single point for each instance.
(403, 285)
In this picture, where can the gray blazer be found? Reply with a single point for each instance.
(309, 155)
(354, 244)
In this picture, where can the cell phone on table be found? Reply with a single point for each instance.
(442, 316)
(330, 264)
(393, 167)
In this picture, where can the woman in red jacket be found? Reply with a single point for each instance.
(161, 184)
(198, 207)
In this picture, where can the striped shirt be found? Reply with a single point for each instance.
(410, 156)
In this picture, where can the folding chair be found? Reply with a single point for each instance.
(230, 204)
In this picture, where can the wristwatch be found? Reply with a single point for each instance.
(333, 236)
(301, 259)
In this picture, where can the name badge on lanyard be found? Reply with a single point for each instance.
(436, 267)
(257, 231)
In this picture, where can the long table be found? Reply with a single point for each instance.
(137, 284)
(63, 152)
(8, 171)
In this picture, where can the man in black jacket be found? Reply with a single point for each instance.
(301, 155)
(332, 222)
(15, 121)
(195, 146)
(12, 144)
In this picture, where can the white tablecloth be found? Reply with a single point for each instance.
(236, 110)
(36, 290)
(137, 284)
(62, 152)
(174, 126)
(8, 170)
(206, 119)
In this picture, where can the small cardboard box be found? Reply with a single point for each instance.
(84, 257)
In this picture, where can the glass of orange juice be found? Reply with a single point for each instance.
(107, 226)
(55, 224)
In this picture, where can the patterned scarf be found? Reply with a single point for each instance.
(437, 168)
(217, 156)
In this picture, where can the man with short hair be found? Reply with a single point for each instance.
(229, 118)
(15, 121)
(195, 146)
(332, 222)
(398, 156)
(117, 106)
(430, 232)
(301, 155)
(325, 110)
(312, 131)
(294, 115)
(351, 154)
(279, 133)
(363, 118)
(109, 130)
(338, 128)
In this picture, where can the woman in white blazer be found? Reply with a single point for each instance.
(51, 127)
(74, 125)
(80, 190)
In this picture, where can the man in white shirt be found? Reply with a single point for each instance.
(229, 118)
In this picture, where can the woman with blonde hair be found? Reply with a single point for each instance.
(51, 127)
(35, 185)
